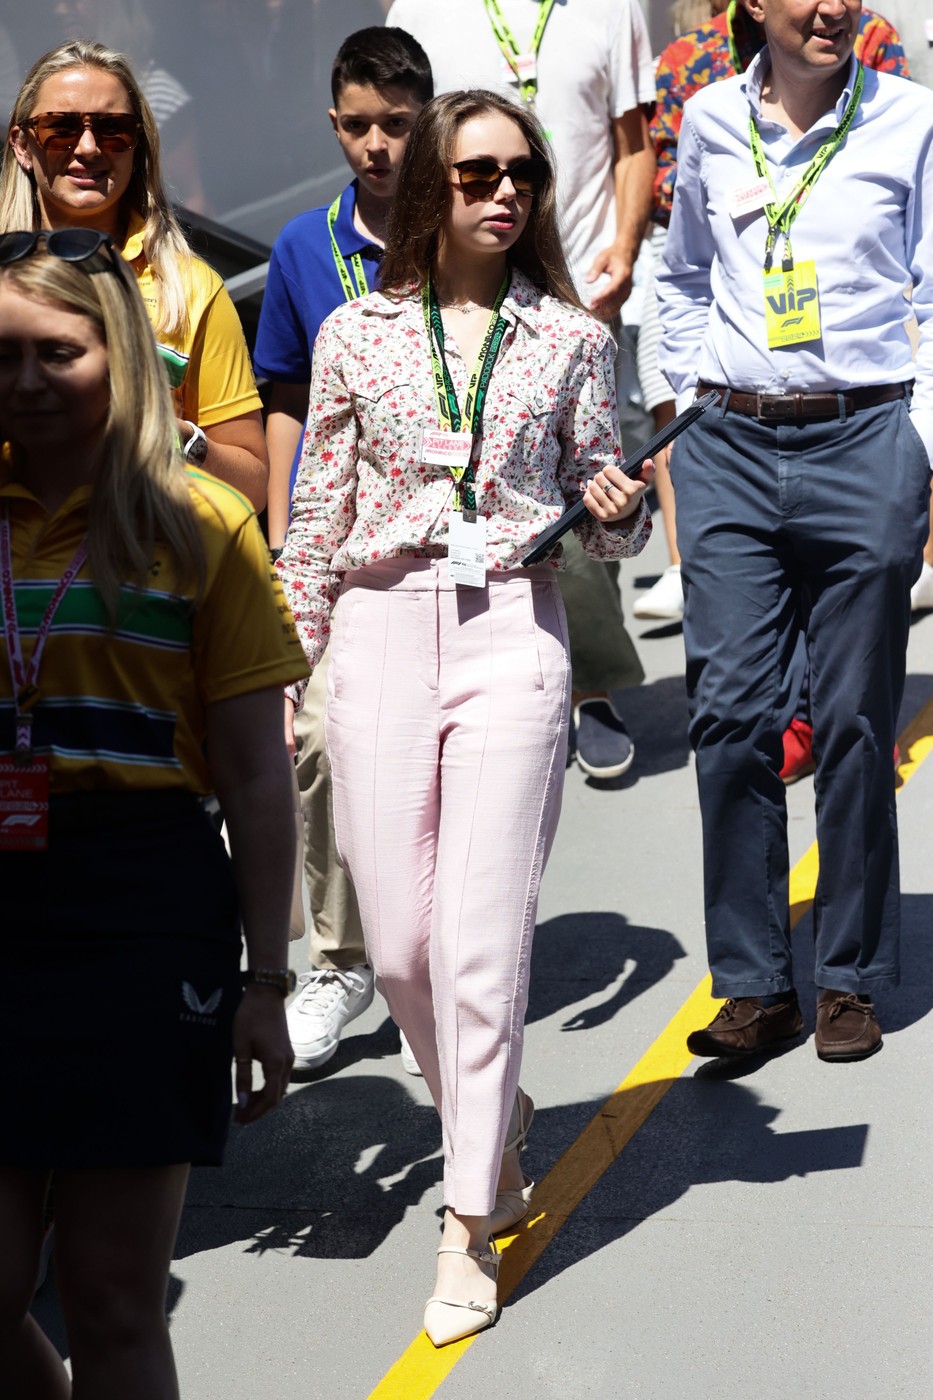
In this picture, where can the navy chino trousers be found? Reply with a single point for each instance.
(801, 530)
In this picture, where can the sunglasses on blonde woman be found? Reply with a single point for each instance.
(61, 131)
(481, 178)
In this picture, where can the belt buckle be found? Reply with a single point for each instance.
(772, 407)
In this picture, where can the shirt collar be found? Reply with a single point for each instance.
(757, 71)
(522, 303)
(348, 237)
(135, 232)
(11, 489)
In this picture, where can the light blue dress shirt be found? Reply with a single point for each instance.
(867, 224)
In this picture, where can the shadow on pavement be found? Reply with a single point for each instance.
(578, 956)
(897, 1007)
(709, 1131)
(328, 1175)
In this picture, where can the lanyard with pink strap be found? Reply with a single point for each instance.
(25, 678)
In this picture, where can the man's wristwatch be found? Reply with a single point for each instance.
(195, 449)
(282, 978)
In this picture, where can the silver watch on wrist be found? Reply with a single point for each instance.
(195, 449)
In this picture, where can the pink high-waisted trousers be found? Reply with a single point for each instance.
(446, 728)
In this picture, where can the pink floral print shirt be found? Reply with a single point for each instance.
(363, 494)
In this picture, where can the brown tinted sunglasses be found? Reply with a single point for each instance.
(482, 177)
(61, 131)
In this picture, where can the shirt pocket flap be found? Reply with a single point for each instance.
(395, 398)
(532, 401)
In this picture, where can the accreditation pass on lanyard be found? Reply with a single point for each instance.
(520, 67)
(24, 778)
(791, 293)
(452, 445)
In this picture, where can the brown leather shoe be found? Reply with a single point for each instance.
(744, 1027)
(846, 1027)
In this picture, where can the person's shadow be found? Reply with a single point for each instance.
(704, 1131)
(598, 953)
(328, 1175)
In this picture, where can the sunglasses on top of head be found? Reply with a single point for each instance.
(61, 131)
(73, 245)
(481, 178)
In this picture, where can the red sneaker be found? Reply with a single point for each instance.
(798, 751)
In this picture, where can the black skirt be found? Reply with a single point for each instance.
(119, 979)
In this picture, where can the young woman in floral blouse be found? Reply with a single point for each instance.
(421, 487)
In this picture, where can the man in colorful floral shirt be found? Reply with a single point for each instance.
(721, 47)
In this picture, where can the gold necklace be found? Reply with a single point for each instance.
(466, 308)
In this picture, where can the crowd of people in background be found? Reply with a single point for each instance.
(553, 240)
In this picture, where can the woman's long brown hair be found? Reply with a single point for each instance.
(423, 197)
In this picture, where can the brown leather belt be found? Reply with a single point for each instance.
(770, 408)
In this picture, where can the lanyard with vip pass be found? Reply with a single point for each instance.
(356, 262)
(792, 308)
(523, 65)
(24, 783)
(452, 447)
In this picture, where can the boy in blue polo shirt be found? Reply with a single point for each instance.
(380, 80)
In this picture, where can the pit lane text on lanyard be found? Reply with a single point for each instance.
(24, 782)
(792, 305)
(452, 447)
(523, 65)
(356, 262)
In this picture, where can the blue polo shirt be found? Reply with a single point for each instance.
(303, 288)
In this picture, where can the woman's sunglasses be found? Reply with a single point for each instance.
(481, 178)
(61, 131)
(74, 245)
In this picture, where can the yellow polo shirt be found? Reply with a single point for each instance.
(208, 367)
(124, 708)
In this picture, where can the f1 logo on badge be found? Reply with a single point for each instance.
(791, 302)
(20, 819)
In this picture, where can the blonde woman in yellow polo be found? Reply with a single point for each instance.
(144, 644)
(84, 152)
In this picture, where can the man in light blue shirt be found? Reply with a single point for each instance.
(801, 213)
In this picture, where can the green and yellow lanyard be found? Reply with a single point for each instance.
(730, 32)
(781, 216)
(448, 409)
(356, 262)
(528, 86)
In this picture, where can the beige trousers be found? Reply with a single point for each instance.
(337, 935)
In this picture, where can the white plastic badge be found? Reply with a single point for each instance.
(467, 550)
(442, 449)
(749, 198)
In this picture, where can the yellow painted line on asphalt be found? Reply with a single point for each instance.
(421, 1369)
(915, 744)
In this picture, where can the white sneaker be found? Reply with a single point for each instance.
(666, 599)
(328, 999)
(409, 1063)
(921, 595)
